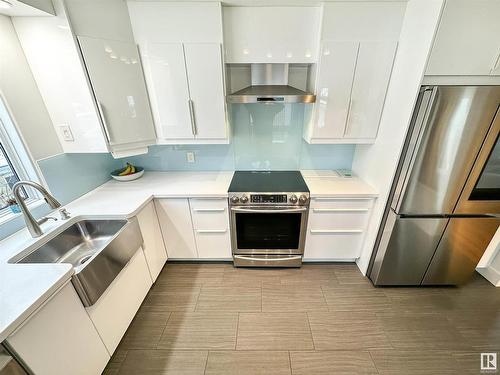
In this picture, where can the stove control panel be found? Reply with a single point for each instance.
(268, 198)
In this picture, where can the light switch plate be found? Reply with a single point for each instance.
(190, 157)
(67, 135)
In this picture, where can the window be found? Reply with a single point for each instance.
(15, 163)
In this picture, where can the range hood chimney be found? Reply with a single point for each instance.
(269, 84)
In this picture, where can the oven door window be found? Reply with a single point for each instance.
(268, 230)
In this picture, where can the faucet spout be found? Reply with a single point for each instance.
(33, 224)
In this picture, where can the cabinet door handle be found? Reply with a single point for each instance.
(348, 120)
(340, 209)
(193, 118)
(336, 231)
(103, 120)
(211, 230)
(209, 209)
(496, 63)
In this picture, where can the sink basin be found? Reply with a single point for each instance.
(98, 250)
(76, 244)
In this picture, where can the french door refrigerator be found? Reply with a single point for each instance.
(444, 204)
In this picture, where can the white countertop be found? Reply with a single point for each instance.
(24, 287)
(330, 184)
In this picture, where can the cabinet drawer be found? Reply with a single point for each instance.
(115, 309)
(338, 218)
(340, 203)
(333, 245)
(213, 244)
(209, 214)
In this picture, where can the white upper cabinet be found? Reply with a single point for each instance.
(468, 39)
(358, 47)
(118, 85)
(52, 55)
(166, 78)
(335, 77)
(206, 90)
(271, 34)
(180, 47)
(371, 78)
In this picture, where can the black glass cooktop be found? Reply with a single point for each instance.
(268, 181)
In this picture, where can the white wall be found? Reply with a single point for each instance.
(489, 265)
(22, 95)
(377, 163)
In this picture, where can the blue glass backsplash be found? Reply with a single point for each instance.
(264, 136)
(69, 176)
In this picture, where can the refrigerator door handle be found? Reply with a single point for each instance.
(420, 121)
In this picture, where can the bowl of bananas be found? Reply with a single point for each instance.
(128, 173)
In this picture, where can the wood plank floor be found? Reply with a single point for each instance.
(319, 319)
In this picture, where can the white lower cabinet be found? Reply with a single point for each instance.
(175, 222)
(211, 228)
(115, 309)
(195, 228)
(154, 248)
(60, 338)
(336, 228)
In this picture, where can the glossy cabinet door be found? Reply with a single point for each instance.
(271, 34)
(371, 79)
(165, 72)
(153, 246)
(468, 39)
(335, 77)
(206, 89)
(117, 81)
(60, 338)
(174, 215)
(211, 227)
(336, 228)
(115, 309)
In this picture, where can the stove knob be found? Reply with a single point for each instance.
(244, 199)
(302, 199)
(234, 199)
(293, 199)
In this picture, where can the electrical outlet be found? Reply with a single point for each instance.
(66, 133)
(190, 157)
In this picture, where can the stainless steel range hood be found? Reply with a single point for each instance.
(269, 84)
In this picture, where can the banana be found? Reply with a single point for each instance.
(133, 169)
(126, 171)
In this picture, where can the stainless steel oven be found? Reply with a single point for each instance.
(268, 229)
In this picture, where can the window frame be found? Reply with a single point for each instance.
(18, 158)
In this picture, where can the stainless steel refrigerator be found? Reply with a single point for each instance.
(444, 204)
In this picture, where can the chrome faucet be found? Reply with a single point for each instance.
(32, 223)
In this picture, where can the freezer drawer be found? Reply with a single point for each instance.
(405, 249)
(460, 249)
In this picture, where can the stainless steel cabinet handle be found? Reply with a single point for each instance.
(211, 230)
(340, 209)
(348, 120)
(193, 118)
(336, 231)
(265, 211)
(209, 209)
(103, 119)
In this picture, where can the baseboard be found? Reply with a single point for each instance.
(490, 274)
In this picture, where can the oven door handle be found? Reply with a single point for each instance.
(268, 259)
(268, 211)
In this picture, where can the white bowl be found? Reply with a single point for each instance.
(129, 177)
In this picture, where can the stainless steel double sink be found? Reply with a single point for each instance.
(98, 249)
